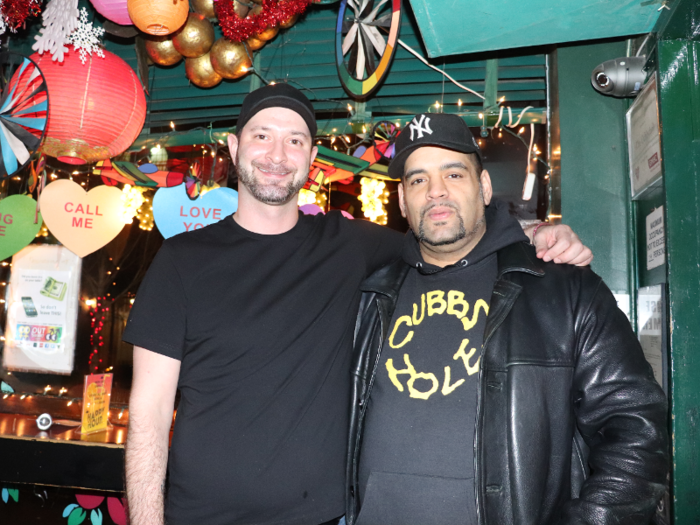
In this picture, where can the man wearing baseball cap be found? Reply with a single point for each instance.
(491, 387)
(251, 319)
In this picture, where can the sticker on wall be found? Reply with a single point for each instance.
(83, 221)
(17, 226)
(174, 212)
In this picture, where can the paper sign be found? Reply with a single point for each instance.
(83, 221)
(17, 226)
(42, 310)
(650, 322)
(643, 137)
(174, 212)
(656, 240)
(97, 392)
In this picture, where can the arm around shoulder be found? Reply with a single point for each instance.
(150, 417)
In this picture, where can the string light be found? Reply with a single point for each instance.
(373, 197)
(132, 197)
(145, 213)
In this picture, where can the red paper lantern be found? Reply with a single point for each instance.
(96, 109)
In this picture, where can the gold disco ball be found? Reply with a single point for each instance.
(268, 34)
(286, 24)
(255, 10)
(255, 43)
(201, 73)
(241, 9)
(194, 38)
(230, 59)
(204, 7)
(161, 50)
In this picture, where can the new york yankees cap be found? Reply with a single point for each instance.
(279, 95)
(432, 129)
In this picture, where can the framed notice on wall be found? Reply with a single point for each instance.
(644, 140)
(42, 310)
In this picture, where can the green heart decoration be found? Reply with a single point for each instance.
(17, 228)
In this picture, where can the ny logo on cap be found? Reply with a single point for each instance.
(421, 126)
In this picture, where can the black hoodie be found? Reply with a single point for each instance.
(416, 462)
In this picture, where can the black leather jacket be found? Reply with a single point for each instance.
(571, 425)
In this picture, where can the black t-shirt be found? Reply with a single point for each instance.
(263, 326)
(417, 455)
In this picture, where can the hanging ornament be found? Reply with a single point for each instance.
(255, 43)
(201, 73)
(161, 50)
(86, 38)
(204, 7)
(19, 224)
(272, 12)
(14, 13)
(97, 110)
(194, 38)
(242, 8)
(23, 113)
(268, 34)
(59, 20)
(175, 212)
(286, 24)
(230, 59)
(82, 221)
(158, 17)
(113, 10)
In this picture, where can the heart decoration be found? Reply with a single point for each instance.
(174, 212)
(83, 221)
(17, 227)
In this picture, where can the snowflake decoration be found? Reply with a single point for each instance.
(86, 38)
(60, 18)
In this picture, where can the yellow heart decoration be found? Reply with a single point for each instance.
(83, 221)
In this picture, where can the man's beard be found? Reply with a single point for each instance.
(271, 193)
(459, 234)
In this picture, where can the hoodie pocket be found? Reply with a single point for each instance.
(408, 499)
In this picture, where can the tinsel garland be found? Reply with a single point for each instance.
(16, 12)
(273, 12)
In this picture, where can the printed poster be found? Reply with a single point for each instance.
(97, 392)
(42, 311)
(643, 138)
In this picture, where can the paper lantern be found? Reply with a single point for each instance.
(114, 10)
(158, 17)
(96, 110)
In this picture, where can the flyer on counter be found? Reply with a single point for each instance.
(97, 392)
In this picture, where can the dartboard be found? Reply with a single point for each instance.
(384, 134)
(24, 109)
(366, 35)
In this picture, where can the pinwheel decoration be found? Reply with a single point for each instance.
(24, 111)
(366, 36)
(384, 134)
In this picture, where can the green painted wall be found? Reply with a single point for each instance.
(594, 177)
(679, 75)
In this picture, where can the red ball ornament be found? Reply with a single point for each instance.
(96, 110)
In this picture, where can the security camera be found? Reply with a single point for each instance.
(621, 77)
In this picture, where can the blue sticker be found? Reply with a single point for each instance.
(174, 212)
